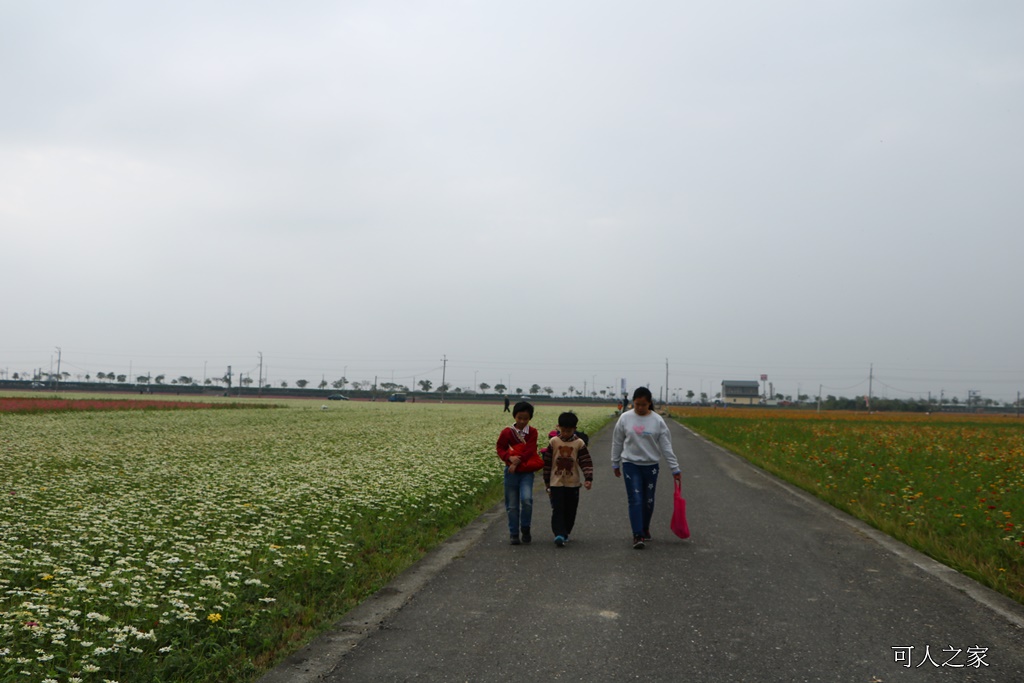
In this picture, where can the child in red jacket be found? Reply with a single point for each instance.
(517, 448)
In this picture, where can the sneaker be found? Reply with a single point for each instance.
(560, 541)
(515, 539)
(647, 535)
(638, 543)
(527, 538)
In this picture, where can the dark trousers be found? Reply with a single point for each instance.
(641, 481)
(564, 501)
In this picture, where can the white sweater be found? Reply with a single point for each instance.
(642, 440)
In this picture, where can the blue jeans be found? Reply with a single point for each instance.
(641, 481)
(518, 500)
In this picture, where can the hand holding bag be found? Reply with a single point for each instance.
(679, 526)
(529, 458)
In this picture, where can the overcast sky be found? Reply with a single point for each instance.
(542, 192)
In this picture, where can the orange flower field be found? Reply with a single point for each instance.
(950, 485)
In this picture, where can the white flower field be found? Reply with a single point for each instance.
(200, 545)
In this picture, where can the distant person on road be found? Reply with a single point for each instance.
(517, 448)
(639, 441)
(566, 459)
(506, 404)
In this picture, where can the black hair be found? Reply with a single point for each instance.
(643, 392)
(568, 420)
(523, 407)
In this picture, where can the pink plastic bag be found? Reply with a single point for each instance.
(679, 526)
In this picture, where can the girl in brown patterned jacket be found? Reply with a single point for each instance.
(567, 466)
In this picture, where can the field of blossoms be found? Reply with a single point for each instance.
(197, 545)
(951, 486)
(14, 404)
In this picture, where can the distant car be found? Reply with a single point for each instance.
(37, 385)
(337, 397)
(397, 398)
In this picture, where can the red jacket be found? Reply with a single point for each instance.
(509, 445)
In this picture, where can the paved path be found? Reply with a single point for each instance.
(772, 586)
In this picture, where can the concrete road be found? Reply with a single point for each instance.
(773, 585)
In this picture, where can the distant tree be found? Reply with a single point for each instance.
(87, 377)
(339, 383)
(142, 379)
(803, 398)
(484, 386)
(572, 389)
(534, 388)
(101, 375)
(159, 379)
(689, 394)
(549, 391)
(323, 384)
(208, 381)
(425, 384)
(17, 376)
(184, 379)
(357, 385)
(247, 381)
(444, 388)
(500, 388)
(388, 386)
(457, 390)
(301, 384)
(703, 397)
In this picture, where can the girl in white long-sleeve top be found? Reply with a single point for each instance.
(639, 441)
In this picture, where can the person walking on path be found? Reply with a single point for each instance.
(517, 448)
(639, 441)
(565, 459)
(506, 404)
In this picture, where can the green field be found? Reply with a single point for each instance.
(203, 545)
(949, 486)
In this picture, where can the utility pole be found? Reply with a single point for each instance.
(819, 398)
(871, 379)
(666, 380)
(58, 368)
(1018, 404)
(444, 373)
(259, 389)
